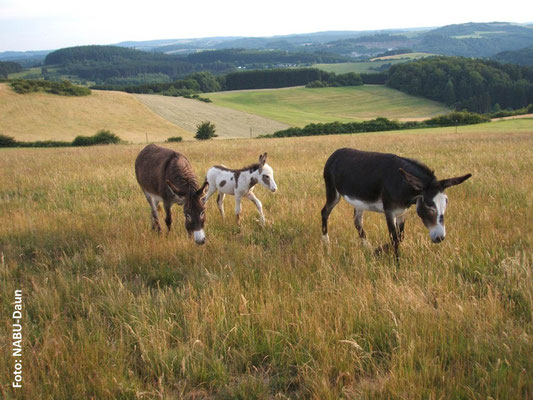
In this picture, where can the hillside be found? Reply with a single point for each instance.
(188, 113)
(40, 116)
(301, 106)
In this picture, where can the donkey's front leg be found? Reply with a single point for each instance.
(358, 221)
(212, 189)
(257, 202)
(238, 208)
(168, 212)
(155, 217)
(393, 232)
(220, 203)
(400, 225)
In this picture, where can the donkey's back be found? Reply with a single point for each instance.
(152, 169)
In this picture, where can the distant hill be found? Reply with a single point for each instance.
(475, 39)
(469, 40)
(520, 57)
(178, 57)
(24, 58)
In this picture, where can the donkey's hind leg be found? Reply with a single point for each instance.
(155, 217)
(332, 199)
(220, 203)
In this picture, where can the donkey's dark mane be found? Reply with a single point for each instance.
(183, 176)
(251, 168)
(419, 169)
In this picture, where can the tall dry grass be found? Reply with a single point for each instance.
(112, 310)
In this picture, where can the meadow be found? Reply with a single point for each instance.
(301, 106)
(112, 310)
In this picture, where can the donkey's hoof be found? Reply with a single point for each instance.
(382, 249)
(325, 239)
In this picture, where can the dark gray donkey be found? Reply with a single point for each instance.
(388, 184)
(167, 176)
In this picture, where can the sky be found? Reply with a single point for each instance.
(52, 24)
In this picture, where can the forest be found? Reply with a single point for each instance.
(476, 85)
(520, 57)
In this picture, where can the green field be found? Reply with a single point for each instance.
(370, 66)
(403, 56)
(301, 106)
(357, 67)
(111, 310)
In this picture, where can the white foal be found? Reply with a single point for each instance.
(240, 183)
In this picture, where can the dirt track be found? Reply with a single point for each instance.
(188, 113)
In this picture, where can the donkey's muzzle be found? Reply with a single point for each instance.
(199, 237)
(437, 239)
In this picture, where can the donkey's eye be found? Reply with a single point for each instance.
(188, 217)
(202, 214)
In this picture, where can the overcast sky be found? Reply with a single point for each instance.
(52, 24)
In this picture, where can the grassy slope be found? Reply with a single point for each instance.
(40, 116)
(188, 113)
(111, 310)
(301, 106)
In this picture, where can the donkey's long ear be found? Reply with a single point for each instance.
(181, 195)
(262, 161)
(201, 191)
(446, 183)
(412, 180)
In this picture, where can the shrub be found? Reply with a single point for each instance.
(175, 139)
(63, 88)
(7, 141)
(316, 84)
(457, 118)
(205, 130)
(102, 137)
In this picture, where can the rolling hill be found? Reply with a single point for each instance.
(40, 116)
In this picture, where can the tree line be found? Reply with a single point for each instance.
(107, 64)
(9, 67)
(380, 124)
(205, 82)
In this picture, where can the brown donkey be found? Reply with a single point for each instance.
(167, 176)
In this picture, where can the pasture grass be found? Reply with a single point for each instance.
(114, 311)
(301, 106)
